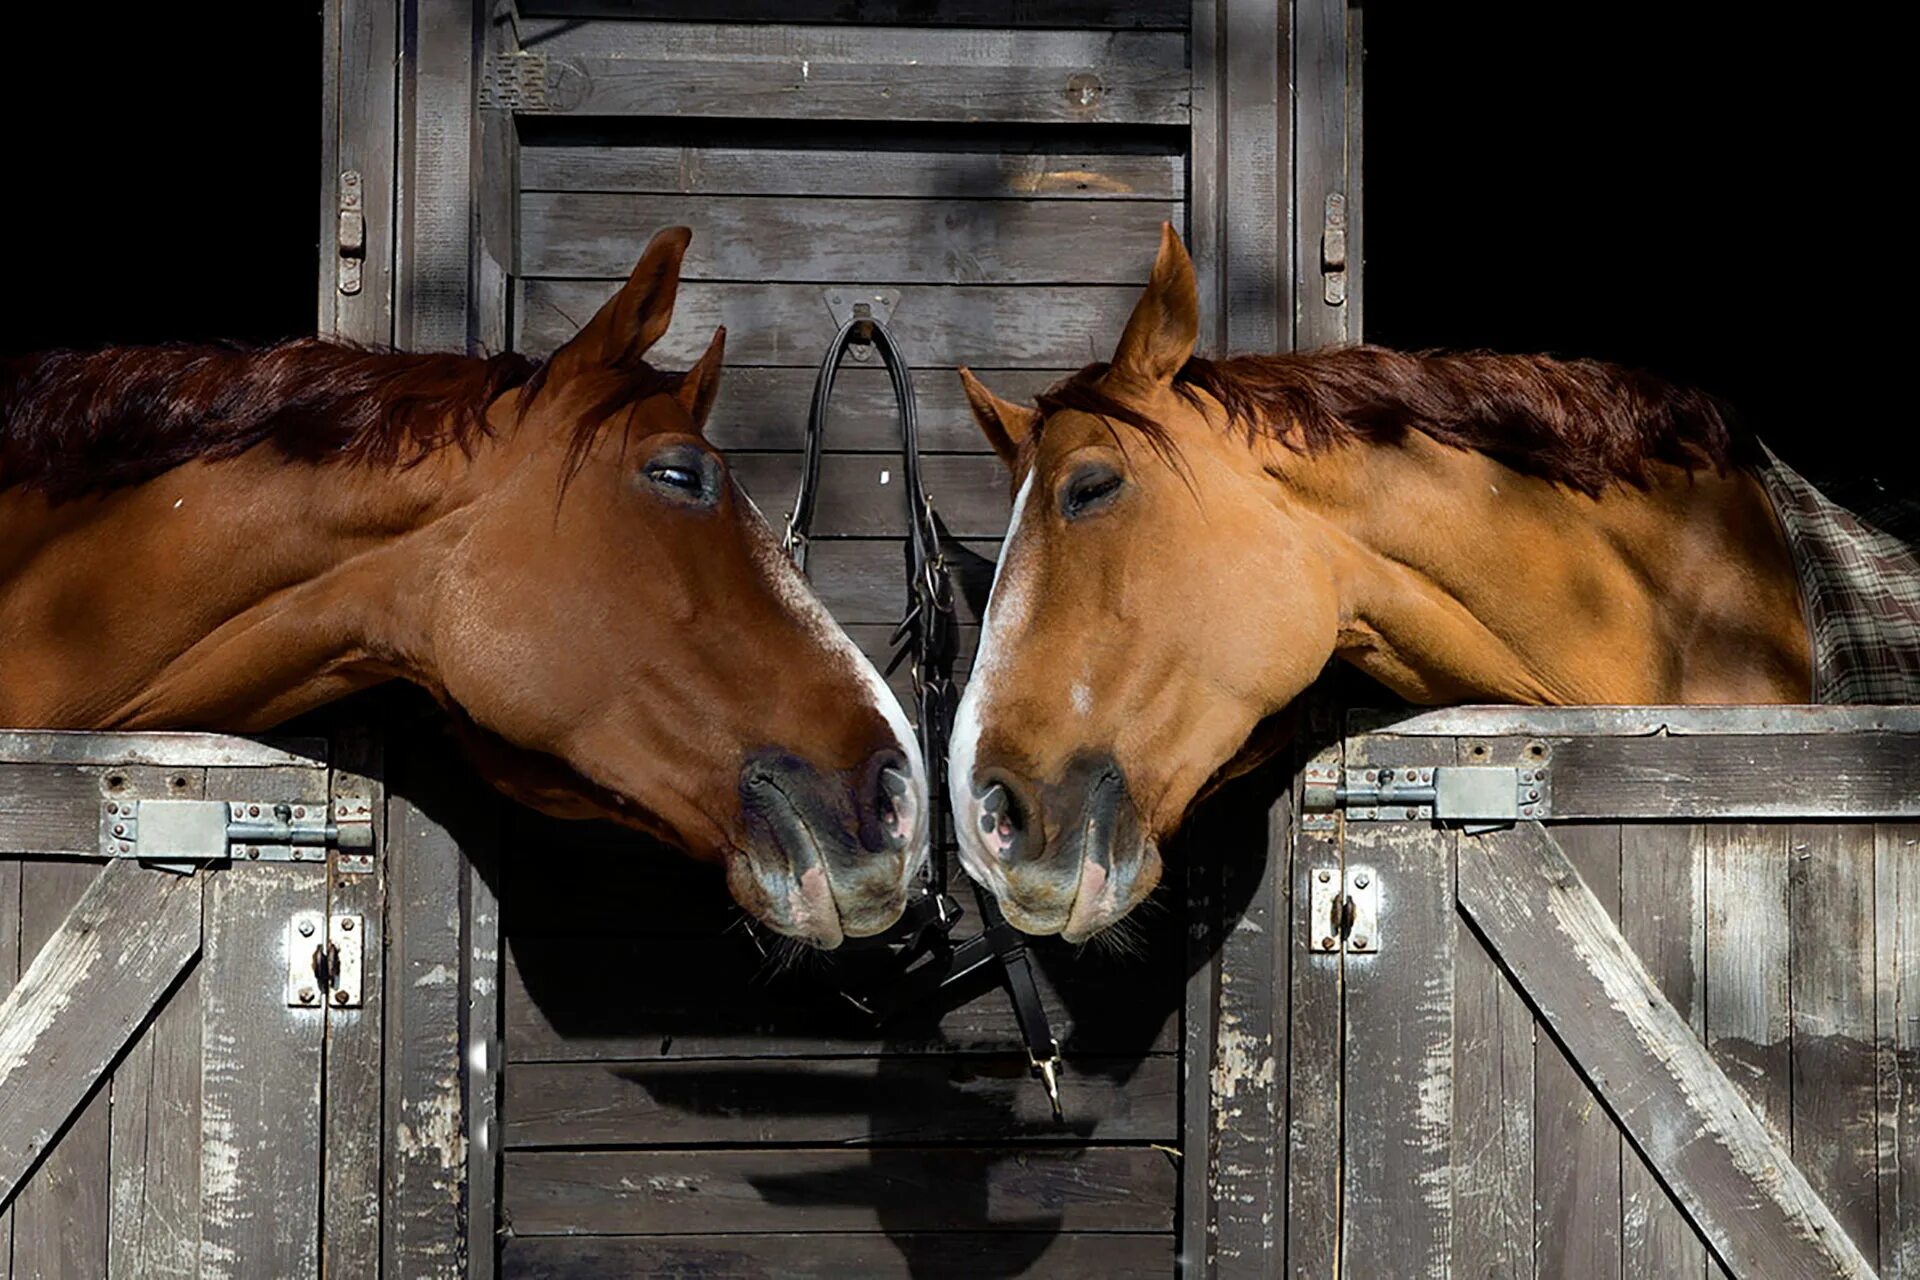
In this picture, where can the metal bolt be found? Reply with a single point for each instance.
(253, 851)
(1325, 876)
(1373, 775)
(253, 811)
(112, 808)
(347, 923)
(1359, 942)
(299, 811)
(306, 928)
(125, 847)
(1533, 793)
(1326, 944)
(119, 828)
(1362, 880)
(306, 995)
(339, 997)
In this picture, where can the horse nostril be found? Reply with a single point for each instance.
(1003, 820)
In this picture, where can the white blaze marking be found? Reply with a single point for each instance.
(1006, 612)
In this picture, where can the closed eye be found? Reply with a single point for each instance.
(1090, 489)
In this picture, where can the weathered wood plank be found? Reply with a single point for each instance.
(729, 1004)
(872, 73)
(362, 47)
(1576, 1153)
(832, 1256)
(9, 974)
(1493, 1106)
(1897, 1013)
(1169, 14)
(49, 809)
(260, 1059)
(433, 230)
(154, 1145)
(908, 242)
(425, 1129)
(861, 581)
(1399, 1092)
(835, 1100)
(1738, 776)
(1834, 1097)
(1321, 168)
(927, 173)
(1635, 722)
(864, 495)
(766, 409)
(87, 990)
(893, 1189)
(160, 750)
(350, 1207)
(1749, 1023)
(937, 326)
(1314, 1079)
(1737, 1184)
(1663, 918)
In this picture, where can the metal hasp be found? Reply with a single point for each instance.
(1333, 250)
(324, 960)
(1477, 796)
(179, 835)
(1343, 910)
(351, 240)
(861, 304)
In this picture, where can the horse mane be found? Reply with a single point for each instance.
(1584, 424)
(75, 423)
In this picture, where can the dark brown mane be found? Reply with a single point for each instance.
(1580, 423)
(74, 423)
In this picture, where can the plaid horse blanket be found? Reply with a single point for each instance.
(1859, 589)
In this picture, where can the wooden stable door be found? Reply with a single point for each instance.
(1660, 1018)
(166, 1031)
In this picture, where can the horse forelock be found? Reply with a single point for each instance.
(1586, 424)
(75, 423)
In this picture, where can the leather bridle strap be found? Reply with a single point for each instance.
(929, 636)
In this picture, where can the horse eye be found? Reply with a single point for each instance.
(683, 478)
(1089, 490)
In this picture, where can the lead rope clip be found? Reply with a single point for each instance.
(1047, 1072)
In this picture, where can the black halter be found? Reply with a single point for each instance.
(926, 959)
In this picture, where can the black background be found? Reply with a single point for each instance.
(1710, 198)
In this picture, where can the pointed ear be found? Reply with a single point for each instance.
(1165, 325)
(702, 382)
(1005, 424)
(636, 317)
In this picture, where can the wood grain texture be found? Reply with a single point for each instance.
(834, 1100)
(1398, 1149)
(833, 1256)
(1737, 1184)
(1168, 14)
(937, 326)
(923, 172)
(1834, 1099)
(433, 301)
(862, 581)
(1493, 1118)
(766, 409)
(1322, 165)
(360, 86)
(1748, 1012)
(107, 944)
(1897, 1014)
(1576, 1153)
(865, 495)
(897, 1189)
(908, 242)
(9, 974)
(1865, 774)
(50, 809)
(260, 1060)
(1663, 918)
(1314, 1035)
(873, 73)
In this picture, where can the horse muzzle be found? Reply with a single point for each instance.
(1070, 857)
(828, 856)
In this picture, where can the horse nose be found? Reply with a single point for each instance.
(1006, 817)
(891, 808)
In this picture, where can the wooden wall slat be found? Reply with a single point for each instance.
(1755, 776)
(362, 38)
(1169, 14)
(1399, 1106)
(982, 1189)
(1897, 1012)
(833, 1256)
(48, 808)
(861, 580)
(834, 1100)
(1663, 918)
(937, 326)
(864, 495)
(1576, 1153)
(766, 409)
(907, 242)
(1314, 1080)
(1748, 1013)
(9, 974)
(1493, 1118)
(1831, 912)
(885, 170)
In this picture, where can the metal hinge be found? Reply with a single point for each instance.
(1476, 796)
(179, 835)
(1343, 910)
(861, 304)
(351, 239)
(324, 968)
(1333, 250)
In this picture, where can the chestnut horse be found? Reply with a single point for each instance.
(206, 538)
(1192, 540)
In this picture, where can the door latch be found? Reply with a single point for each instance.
(1333, 250)
(1343, 910)
(324, 957)
(178, 835)
(1477, 797)
(351, 240)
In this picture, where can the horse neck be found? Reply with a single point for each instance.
(230, 595)
(1466, 581)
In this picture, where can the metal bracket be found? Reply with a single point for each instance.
(179, 835)
(1333, 250)
(351, 240)
(324, 960)
(1476, 797)
(861, 304)
(1343, 911)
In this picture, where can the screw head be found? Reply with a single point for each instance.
(253, 851)
(1359, 941)
(1326, 944)
(1533, 793)
(1325, 876)
(253, 811)
(119, 828)
(307, 995)
(347, 923)
(339, 997)
(1362, 880)
(306, 928)
(299, 811)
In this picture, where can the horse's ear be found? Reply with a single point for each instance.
(1005, 424)
(635, 318)
(1165, 325)
(702, 382)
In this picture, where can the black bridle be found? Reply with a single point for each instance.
(926, 959)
